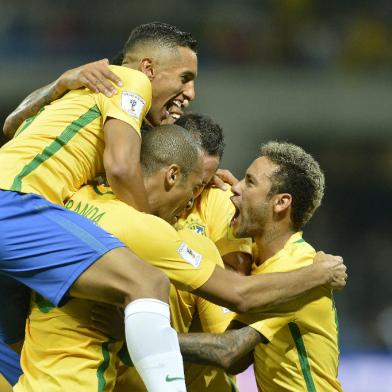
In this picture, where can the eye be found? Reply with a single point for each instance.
(249, 181)
(187, 77)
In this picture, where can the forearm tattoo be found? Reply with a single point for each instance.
(31, 106)
(220, 350)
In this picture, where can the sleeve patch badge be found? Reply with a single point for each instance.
(132, 104)
(225, 310)
(189, 255)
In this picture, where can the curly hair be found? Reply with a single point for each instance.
(299, 175)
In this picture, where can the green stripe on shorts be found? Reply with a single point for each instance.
(104, 365)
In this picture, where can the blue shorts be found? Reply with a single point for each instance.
(9, 364)
(45, 247)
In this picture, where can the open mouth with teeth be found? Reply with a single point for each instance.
(236, 215)
(174, 109)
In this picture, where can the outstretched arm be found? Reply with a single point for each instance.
(258, 292)
(96, 76)
(227, 350)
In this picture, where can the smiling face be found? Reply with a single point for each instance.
(254, 206)
(172, 85)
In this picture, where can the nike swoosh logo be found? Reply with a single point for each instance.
(170, 379)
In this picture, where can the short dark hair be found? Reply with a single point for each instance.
(117, 59)
(207, 130)
(168, 144)
(162, 34)
(299, 175)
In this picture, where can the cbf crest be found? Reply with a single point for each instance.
(197, 227)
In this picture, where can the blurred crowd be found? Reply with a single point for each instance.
(315, 35)
(297, 33)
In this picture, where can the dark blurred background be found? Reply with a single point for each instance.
(317, 73)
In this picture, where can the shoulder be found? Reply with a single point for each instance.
(298, 253)
(129, 75)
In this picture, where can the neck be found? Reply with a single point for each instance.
(272, 241)
(152, 191)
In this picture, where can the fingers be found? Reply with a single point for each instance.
(339, 284)
(219, 183)
(95, 76)
(339, 280)
(325, 257)
(226, 176)
(222, 178)
(98, 78)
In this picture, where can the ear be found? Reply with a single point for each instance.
(147, 67)
(172, 176)
(282, 202)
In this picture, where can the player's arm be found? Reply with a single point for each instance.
(257, 292)
(231, 350)
(239, 262)
(96, 76)
(122, 163)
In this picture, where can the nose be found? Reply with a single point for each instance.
(236, 188)
(189, 92)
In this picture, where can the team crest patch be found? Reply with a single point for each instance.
(189, 255)
(199, 229)
(132, 104)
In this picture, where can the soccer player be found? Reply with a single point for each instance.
(212, 210)
(189, 260)
(59, 150)
(209, 216)
(295, 344)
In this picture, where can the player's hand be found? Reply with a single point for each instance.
(335, 270)
(109, 320)
(96, 76)
(223, 177)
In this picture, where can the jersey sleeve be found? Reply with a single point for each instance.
(187, 261)
(132, 100)
(268, 324)
(271, 322)
(213, 318)
(219, 210)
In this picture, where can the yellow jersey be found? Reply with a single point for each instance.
(4, 385)
(184, 306)
(100, 205)
(187, 259)
(302, 350)
(211, 216)
(61, 148)
(92, 359)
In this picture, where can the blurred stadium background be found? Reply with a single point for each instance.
(317, 73)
